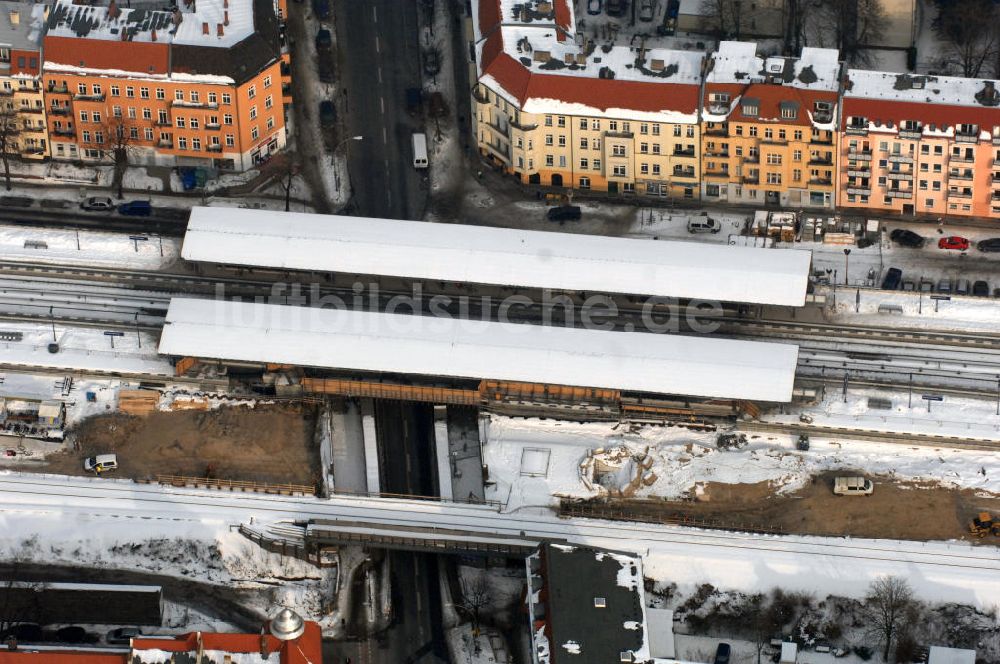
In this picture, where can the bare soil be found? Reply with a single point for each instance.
(268, 443)
(896, 510)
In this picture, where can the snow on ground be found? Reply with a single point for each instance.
(93, 248)
(683, 460)
(911, 309)
(83, 349)
(444, 154)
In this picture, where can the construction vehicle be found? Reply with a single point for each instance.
(984, 525)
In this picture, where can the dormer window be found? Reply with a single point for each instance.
(789, 111)
(750, 110)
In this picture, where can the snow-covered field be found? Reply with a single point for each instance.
(95, 248)
(684, 459)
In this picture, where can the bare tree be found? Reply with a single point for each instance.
(760, 622)
(969, 30)
(723, 18)
(855, 24)
(9, 129)
(476, 596)
(890, 609)
(117, 140)
(18, 605)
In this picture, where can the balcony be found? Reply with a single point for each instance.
(900, 159)
(58, 89)
(911, 134)
(494, 150)
(684, 153)
(959, 194)
(619, 134)
(904, 177)
(58, 110)
(899, 193)
(820, 140)
(821, 182)
(64, 131)
(718, 108)
(823, 117)
(750, 179)
(88, 97)
(859, 191)
(967, 138)
(164, 143)
(774, 141)
(213, 126)
(716, 154)
(214, 147)
(164, 123)
(715, 174)
(480, 95)
(859, 173)
(864, 155)
(962, 159)
(684, 174)
(6, 92)
(856, 130)
(716, 131)
(498, 129)
(193, 104)
(821, 161)
(523, 127)
(39, 110)
(955, 175)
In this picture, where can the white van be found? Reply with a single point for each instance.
(420, 151)
(703, 225)
(100, 463)
(853, 486)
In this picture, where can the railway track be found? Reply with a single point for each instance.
(873, 435)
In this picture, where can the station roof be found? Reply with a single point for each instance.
(473, 349)
(496, 256)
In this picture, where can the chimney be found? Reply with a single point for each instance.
(225, 18)
(15, 17)
(225, 4)
(218, 30)
(204, 27)
(152, 36)
(113, 11)
(124, 34)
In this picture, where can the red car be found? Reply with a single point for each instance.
(954, 242)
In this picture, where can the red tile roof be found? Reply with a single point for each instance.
(489, 15)
(769, 97)
(940, 115)
(60, 657)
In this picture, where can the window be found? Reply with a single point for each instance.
(768, 133)
(267, 81)
(196, 144)
(677, 131)
(133, 132)
(179, 121)
(129, 91)
(548, 137)
(583, 123)
(227, 98)
(656, 148)
(144, 93)
(561, 121)
(739, 130)
(270, 125)
(750, 110)
(548, 120)
(227, 119)
(252, 92)
(116, 111)
(562, 141)
(595, 124)
(131, 112)
(612, 125)
(84, 116)
(268, 102)
(782, 135)
(797, 155)
(656, 130)
(583, 143)
(254, 133)
(178, 95)
(115, 91)
(194, 123)
(929, 202)
(788, 113)
(147, 114)
(752, 130)
(643, 148)
(797, 135)
(656, 169)
(81, 88)
(796, 175)
(619, 170)
(643, 128)
(938, 149)
(923, 184)
(195, 97)
(162, 117)
(149, 133)
(99, 137)
(213, 98)
(584, 164)
(644, 168)
(773, 158)
(253, 112)
(584, 183)
(182, 143)
(774, 178)
(550, 160)
(96, 89)
(214, 141)
(230, 140)
(86, 137)
(161, 94)
(597, 164)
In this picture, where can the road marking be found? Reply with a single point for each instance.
(379, 74)
(378, 45)
(381, 103)
(375, 14)
(385, 139)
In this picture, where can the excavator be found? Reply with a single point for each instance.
(984, 525)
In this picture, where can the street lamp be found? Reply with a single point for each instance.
(847, 254)
(333, 158)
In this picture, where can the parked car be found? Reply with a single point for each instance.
(414, 100)
(594, 7)
(908, 285)
(926, 286)
(100, 463)
(16, 201)
(990, 245)
(852, 486)
(71, 634)
(944, 286)
(136, 208)
(646, 10)
(981, 289)
(327, 113)
(432, 62)
(907, 238)
(321, 8)
(564, 213)
(324, 40)
(956, 242)
(962, 287)
(704, 225)
(122, 636)
(616, 7)
(722, 654)
(98, 204)
(892, 278)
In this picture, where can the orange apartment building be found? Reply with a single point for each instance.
(199, 86)
(920, 145)
(554, 110)
(769, 130)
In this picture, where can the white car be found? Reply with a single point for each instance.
(98, 204)
(101, 463)
(853, 486)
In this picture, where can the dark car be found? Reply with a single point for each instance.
(892, 278)
(564, 213)
(327, 113)
(992, 244)
(122, 636)
(981, 289)
(907, 238)
(616, 7)
(136, 208)
(722, 654)
(321, 8)
(71, 634)
(324, 40)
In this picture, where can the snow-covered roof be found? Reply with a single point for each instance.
(474, 349)
(738, 62)
(496, 256)
(942, 655)
(890, 86)
(203, 23)
(22, 24)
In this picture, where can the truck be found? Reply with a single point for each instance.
(419, 150)
(669, 25)
(414, 100)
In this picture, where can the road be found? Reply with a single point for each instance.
(380, 59)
